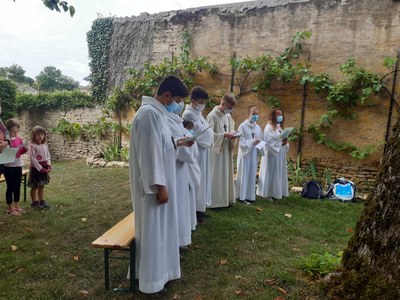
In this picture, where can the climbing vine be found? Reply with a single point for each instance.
(98, 39)
(143, 82)
(358, 88)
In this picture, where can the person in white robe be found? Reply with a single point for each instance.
(193, 112)
(247, 159)
(273, 178)
(153, 188)
(194, 175)
(222, 188)
(184, 157)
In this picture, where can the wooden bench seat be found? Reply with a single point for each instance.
(119, 237)
(24, 181)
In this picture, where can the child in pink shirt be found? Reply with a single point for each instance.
(40, 166)
(13, 170)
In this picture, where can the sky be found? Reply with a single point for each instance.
(33, 37)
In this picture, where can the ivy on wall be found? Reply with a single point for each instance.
(98, 39)
(359, 87)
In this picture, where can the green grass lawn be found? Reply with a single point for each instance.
(241, 252)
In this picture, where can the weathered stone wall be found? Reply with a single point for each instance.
(59, 146)
(367, 30)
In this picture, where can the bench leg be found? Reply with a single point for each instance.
(106, 269)
(132, 257)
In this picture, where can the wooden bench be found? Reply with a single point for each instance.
(24, 181)
(120, 237)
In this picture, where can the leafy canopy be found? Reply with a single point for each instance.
(57, 5)
(51, 79)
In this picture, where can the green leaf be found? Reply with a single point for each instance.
(367, 91)
(389, 62)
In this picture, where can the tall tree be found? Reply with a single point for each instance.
(51, 79)
(371, 268)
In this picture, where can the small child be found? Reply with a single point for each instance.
(40, 166)
(13, 170)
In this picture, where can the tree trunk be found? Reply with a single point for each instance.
(371, 262)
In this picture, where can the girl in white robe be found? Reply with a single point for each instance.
(247, 159)
(273, 179)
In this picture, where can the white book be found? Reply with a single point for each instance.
(260, 145)
(285, 133)
(237, 133)
(7, 155)
(193, 138)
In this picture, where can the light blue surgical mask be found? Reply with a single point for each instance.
(279, 119)
(191, 132)
(254, 118)
(172, 107)
(178, 108)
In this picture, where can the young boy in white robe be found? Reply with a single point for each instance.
(247, 159)
(273, 179)
(194, 112)
(194, 175)
(152, 173)
(184, 156)
(223, 188)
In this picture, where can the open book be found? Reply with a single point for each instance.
(237, 133)
(7, 155)
(285, 133)
(193, 138)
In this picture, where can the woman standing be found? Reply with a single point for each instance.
(273, 179)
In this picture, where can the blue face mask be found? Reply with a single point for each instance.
(279, 119)
(178, 109)
(174, 107)
(254, 118)
(191, 132)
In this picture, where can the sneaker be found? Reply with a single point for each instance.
(19, 209)
(43, 204)
(35, 204)
(13, 212)
(244, 202)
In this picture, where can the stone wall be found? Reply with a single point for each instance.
(60, 147)
(367, 30)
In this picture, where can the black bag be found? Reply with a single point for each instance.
(312, 189)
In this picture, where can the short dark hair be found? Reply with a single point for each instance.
(198, 93)
(250, 107)
(188, 124)
(174, 85)
(10, 123)
(230, 99)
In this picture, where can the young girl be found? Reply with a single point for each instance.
(40, 166)
(273, 179)
(13, 171)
